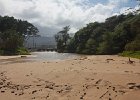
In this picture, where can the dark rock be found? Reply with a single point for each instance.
(131, 87)
(2, 91)
(84, 93)
(81, 97)
(109, 99)
(131, 83)
(138, 86)
(38, 85)
(12, 91)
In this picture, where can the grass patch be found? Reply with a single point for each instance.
(133, 54)
(23, 51)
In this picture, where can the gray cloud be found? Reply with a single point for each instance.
(2, 9)
(29, 13)
(47, 31)
(51, 15)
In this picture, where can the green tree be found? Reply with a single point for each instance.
(134, 45)
(106, 46)
(10, 42)
(116, 34)
(62, 38)
(90, 46)
(12, 34)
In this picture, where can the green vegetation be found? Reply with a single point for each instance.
(134, 54)
(12, 34)
(22, 51)
(117, 34)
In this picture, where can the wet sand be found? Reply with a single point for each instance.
(87, 78)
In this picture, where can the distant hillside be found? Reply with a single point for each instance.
(39, 42)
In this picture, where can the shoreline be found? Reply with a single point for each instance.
(85, 78)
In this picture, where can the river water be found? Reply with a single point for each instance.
(52, 56)
(41, 56)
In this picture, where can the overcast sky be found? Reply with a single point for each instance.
(50, 16)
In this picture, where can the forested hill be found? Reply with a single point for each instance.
(116, 34)
(12, 34)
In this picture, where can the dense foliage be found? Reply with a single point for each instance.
(12, 34)
(115, 35)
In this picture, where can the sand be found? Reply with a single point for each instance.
(87, 78)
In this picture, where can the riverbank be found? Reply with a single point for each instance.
(90, 77)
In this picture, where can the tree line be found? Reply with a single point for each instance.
(12, 34)
(117, 34)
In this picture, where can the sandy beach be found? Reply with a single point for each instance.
(101, 77)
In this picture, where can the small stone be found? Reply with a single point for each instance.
(38, 85)
(132, 87)
(12, 91)
(138, 86)
(113, 88)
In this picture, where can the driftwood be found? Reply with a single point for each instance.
(130, 61)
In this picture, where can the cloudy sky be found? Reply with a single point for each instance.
(50, 16)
